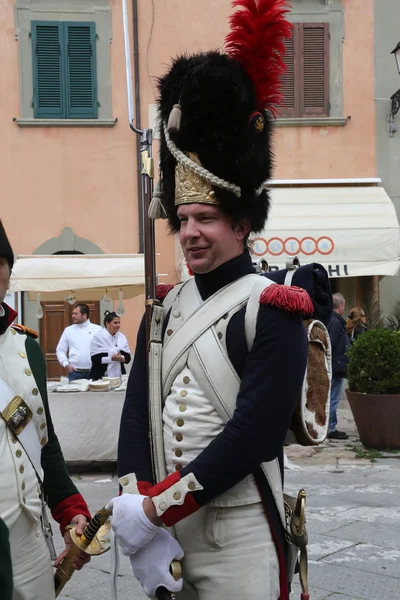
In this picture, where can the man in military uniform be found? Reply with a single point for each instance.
(227, 398)
(30, 453)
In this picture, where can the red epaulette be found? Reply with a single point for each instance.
(26, 330)
(162, 290)
(291, 298)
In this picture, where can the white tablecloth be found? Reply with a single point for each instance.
(87, 424)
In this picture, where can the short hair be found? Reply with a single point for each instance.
(338, 300)
(109, 316)
(84, 309)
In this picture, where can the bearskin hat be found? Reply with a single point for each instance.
(216, 111)
(5, 247)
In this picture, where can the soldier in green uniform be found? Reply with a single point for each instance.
(6, 582)
(32, 466)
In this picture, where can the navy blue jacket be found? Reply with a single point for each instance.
(340, 344)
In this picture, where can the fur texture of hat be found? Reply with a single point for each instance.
(5, 247)
(218, 96)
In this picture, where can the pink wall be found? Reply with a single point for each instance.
(85, 178)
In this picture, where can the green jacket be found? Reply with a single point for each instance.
(6, 576)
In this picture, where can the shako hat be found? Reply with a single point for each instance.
(216, 111)
(5, 247)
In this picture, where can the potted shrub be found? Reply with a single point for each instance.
(374, 387)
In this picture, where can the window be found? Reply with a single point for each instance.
(64, 70)
(305, 85)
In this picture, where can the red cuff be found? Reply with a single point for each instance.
(144, 487)
(179, 511)
(68, 508)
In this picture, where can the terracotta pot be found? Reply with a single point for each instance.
(377, 418)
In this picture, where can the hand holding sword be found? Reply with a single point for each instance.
(152, 550)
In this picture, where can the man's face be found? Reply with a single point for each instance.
(4, 277)
(340, 309)
(207, 236)
(77, 317)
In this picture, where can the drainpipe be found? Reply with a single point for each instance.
(138, 124)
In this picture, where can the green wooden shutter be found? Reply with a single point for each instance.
(48, 72)
(81, 71)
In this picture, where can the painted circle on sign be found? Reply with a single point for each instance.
(276, 246)
(308, 246)
(259, 246)
(292, 246)
(325, 245)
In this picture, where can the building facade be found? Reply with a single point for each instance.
(70, 164)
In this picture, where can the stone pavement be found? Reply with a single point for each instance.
(353, 508)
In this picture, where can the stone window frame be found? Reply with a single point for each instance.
(332, 12)
(95, 11)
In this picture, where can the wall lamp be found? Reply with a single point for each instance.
(395, 99)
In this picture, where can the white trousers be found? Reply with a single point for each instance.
(229, 554)
(32, 568)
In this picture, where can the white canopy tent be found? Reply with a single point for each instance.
(351, 230)
(79, 276)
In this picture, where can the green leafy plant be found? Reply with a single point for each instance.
(374, 363)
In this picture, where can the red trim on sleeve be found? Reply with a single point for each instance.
(174, 514)
(291, 298)
(68, 508)
(165, 484)
(144, 487)
(177, 512)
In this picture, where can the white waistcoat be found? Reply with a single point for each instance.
(19, 488)
(189, 415)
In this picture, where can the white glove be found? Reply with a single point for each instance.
(151, 564)
(129, 522)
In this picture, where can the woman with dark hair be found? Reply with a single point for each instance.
(109, 349)
(356, 323)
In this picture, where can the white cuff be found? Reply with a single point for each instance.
(129, 484)
(176, 494)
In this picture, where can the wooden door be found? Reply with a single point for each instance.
(57, 316)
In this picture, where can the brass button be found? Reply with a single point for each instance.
(176, 314)
(43, 425)
(21, 468)
(179, 437)
(191, 485)
(180, 422)
(219, 335)
(163, 506)
(43, 441)
(178, 467)
(177, 496)
(40, 410)
(23, 486)
(22, 354)
(170, 332)
(183, 393)
(182, 407)
(18, 453)
(186, 379)
(24, 500)
(35, 391)
(124, 481)
(28, 372)
(14, 439)
(13, 331)
(178, 452)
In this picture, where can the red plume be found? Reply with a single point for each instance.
(257, 41)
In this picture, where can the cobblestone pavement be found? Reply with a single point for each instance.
(353, 508)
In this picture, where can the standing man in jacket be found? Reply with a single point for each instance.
(32, 467)
(226, 402)
(340, 344)
(73, 349)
